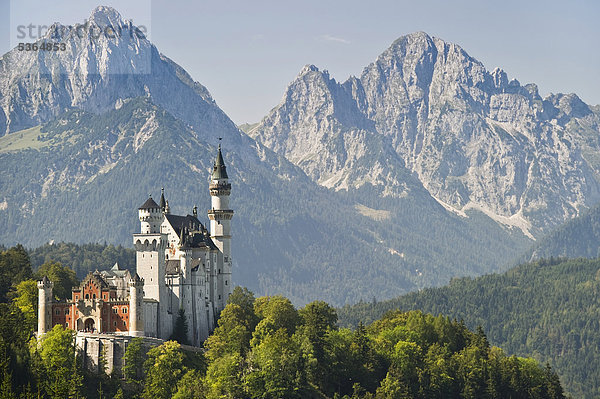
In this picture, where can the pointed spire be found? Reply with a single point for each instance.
(183, 236)
(163, 203)
(219, 170)
(195, 211)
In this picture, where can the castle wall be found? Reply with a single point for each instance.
(150, 309)
(107, 350)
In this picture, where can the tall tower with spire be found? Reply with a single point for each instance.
(220, 223)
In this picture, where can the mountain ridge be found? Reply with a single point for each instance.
(473, 138)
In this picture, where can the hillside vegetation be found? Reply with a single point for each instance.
(579, 237)
(265, 348)
(84, 258)
(547, 309)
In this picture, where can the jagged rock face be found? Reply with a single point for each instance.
(473, 138)
(94, 72)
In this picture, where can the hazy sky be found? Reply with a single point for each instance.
(246, 52)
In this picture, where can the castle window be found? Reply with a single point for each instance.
(87, 296)
(94, 296)
(57, 311)
(114, 323)
(115, 310)
(124, 323)
(225, 282)
(219, 296)
(67, 311)
(124, 310)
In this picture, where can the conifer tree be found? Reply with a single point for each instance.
(180, 331)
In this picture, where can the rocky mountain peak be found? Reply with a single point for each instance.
(307, 69)
(104, 60)
(106, 16)
(500, 78)
(475, 139)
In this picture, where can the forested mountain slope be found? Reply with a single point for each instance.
(547, 309)
(579, 237)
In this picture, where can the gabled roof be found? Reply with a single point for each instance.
(199, 240)
(115, 271)
(96, 277)
(178, 222)
(173, 267)
(196, 234)
(149, 204)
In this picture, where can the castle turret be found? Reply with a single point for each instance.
(136, 310)
(163, 202)
(220, 224)
(150, 217)
(44, 305)
(220, 215)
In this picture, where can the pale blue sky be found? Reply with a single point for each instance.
(246, 52)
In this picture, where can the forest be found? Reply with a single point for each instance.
(262, 348)
(547, 309)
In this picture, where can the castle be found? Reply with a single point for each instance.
(180, 265)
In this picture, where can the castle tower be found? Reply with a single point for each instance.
(136, 310)
(150, 246)
(150, 215)
(220, 224)
(44, 305)
(220, 215)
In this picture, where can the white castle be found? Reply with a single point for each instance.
(179, 264)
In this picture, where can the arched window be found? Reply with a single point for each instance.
(87, 296)
(94, 296)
